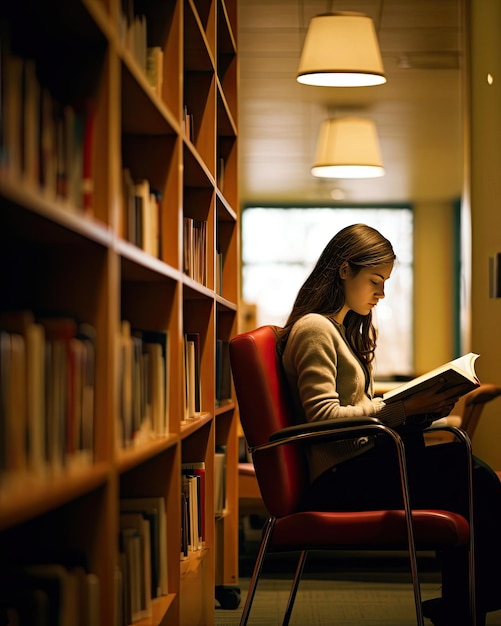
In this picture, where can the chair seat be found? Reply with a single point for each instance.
(318, 529)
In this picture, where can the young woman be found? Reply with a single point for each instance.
(327, 348)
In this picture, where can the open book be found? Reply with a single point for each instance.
(459, 373)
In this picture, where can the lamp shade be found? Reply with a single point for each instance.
(341, 50)
(348, 148)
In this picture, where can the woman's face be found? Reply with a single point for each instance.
(362, 291)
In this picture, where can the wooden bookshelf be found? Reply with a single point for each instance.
(119, 218)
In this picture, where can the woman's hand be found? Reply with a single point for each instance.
(433, 400)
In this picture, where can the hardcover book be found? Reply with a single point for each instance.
(459, 373)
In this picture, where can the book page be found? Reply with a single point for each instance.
(454, 374)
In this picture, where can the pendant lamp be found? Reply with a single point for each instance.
(341, 50)
(348, 148)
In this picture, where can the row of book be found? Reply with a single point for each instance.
(192, 507)
(143, 574)
(134, 34)
(189, 132)
(44, 142)
(141, 214)
(45, 594)
(143, 384)
(192, 363)
(144, 381)
(192, 378)
(193, 500)
(47, 388)
(195, 249)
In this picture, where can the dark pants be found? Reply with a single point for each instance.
(437, 480)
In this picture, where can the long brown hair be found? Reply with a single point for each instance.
(322, 292)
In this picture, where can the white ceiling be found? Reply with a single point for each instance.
(418, 112)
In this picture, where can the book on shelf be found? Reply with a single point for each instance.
(154, 68)
(122, 587)
(156, 386)
(30, 123)
(47, 375)
(190, 487)
(12, 113)
(130, 546)
(143, 384)
(197, 469)
(195, 249)
(70, 371)
(47, 145)
(88, 142)
(153, 509)
(138, 527)
(84, 346)
(53, 593)
(126, 375)
(140, 214)
(44, 143)
(189, 379)
(197, 381)
(184, 524)
(458, 374)
(219, 272)
(219, 480)
(15, 427)
(188, 124)
(22, 380)
(147, 209)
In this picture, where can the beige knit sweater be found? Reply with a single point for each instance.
(327, 381)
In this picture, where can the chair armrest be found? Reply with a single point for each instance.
(335, 429)
(458, 432)
(321, 426)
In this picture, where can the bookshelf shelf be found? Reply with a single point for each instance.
(119, 250)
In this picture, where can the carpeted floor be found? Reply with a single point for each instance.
(337, 590)
(327, 602)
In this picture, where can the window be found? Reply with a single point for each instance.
(281, 245)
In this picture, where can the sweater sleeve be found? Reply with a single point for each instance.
(328, 379)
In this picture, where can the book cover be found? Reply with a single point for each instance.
(195, 338)
(153, 508)
(88, 159)
(86, 335)
(138, 523)
(459, 373)
(160, 339)
(130, 544)
(31, 383)
(59, 332)
(126, 377)
(198, 469)
(219, 480)
(189, 369)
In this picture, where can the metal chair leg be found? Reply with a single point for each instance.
(263, 548)
(295, 585)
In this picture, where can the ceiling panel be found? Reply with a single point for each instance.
(418, 111)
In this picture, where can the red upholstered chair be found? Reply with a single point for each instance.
(276, 444)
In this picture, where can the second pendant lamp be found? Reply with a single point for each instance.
(348, 148)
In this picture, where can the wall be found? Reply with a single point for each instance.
(484, 181)
(433, 295)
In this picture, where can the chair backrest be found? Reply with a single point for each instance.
(264, 407)
(473, 405)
